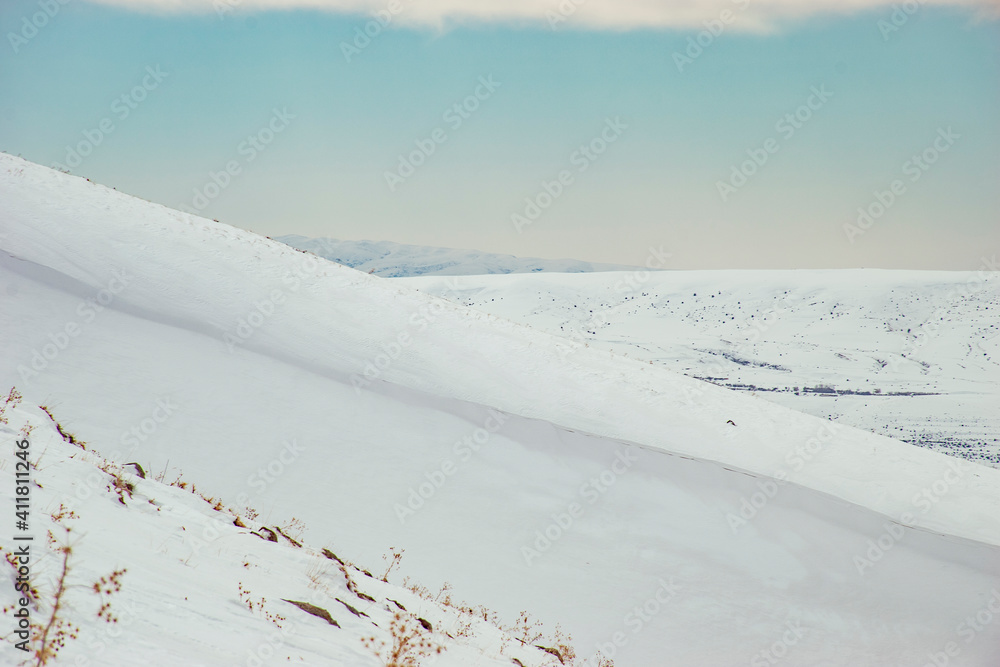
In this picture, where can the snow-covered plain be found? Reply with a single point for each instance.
(381, 416)
(399, 260)
(914, 355)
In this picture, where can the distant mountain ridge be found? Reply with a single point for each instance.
(399, 260)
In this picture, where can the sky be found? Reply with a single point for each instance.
(731, 134)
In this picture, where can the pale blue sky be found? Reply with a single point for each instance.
(656, 184)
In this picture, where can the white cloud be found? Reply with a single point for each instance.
(593, 14)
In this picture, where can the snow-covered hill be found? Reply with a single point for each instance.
(914, 355)
(528, 472)
(205, 585)
(397, 260)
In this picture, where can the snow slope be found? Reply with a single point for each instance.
(186, 569)
(397, 260)
(914, 355)
(242, 363)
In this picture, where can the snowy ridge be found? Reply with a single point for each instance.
(398, 260)
(464, 360)
(530, 471)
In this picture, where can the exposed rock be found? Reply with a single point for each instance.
(266, 534)
(138, 469)
(332, 556)
(351, 609)
(292, 541)
(552, 651)
(319, 612)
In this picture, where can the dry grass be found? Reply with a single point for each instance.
(51, 636)
(392, 560)
(66, 435)
(12, 400)
(411, 642)
(259, 607)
